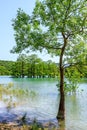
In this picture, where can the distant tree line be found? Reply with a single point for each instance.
(6, 67)
(29, 66)
(34, 67)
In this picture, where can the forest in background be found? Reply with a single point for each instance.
(30, 66)
(34, 67)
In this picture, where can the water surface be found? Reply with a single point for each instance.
(43, 102)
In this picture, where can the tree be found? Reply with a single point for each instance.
(16, 71)
(52, 69)
(73, 75)
(6, 67)
(58, 26)
(32, 60)
(3, 71)
(22, 63)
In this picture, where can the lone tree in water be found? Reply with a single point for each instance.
(58, 26)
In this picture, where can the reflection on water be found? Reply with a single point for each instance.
(76, 114)
(42, 103)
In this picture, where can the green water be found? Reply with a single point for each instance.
(42, 103)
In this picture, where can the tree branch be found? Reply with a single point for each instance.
(72, 64)
(51, 47)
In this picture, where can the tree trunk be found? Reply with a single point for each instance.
(61, 111)
(22, 69)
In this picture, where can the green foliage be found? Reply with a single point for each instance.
(49, 19)
(30, 66)
(6, 67)
(51, 23)
(35, 125)
(73, 77)
(72, 80)
(4, 71)
(33, 67)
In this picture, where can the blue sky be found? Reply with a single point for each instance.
(8, 11)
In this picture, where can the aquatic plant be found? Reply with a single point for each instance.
(9, 94)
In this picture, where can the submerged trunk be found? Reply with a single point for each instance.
(61, 110)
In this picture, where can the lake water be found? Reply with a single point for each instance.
(42, 103)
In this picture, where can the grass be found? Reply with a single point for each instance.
(24, 127)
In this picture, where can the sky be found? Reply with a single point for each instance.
(8, 11)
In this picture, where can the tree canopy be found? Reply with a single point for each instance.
(50, 22)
